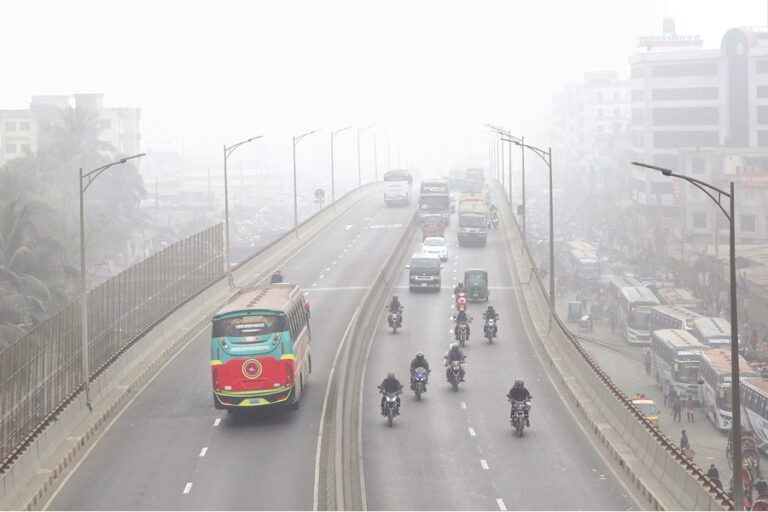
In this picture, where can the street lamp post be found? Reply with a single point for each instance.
(333, 179)
(515, 140)
(228, 150)
(716, 195)
(359, 168)
(296, 140)
(376, 154)
(85, 182)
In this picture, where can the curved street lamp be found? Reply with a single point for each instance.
(296, 140)
(333, 179)
(359, 171)
(85, 181)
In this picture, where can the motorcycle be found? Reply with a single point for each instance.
(395, 319)
(491, 329)
(454, 374)
(461, 330)
(390, 409)
(419, 378)
(518, 415)
(495, 220)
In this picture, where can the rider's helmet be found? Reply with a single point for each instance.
(461, 284)
(391, 375)
(519, 383)
(454, 346)
(490, 308)
(419, 355)
(395, 299)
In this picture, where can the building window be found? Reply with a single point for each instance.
(692, 69)
(661, 187)
(685, 139)
(637, 116)
(637, 71)
(685, 116)
(666, 161)
(762, 66)
(762, 114)
(10, 126)
(697, 166)
(685, 93)
(699, 220)
(637, 139)
(762, 138)
(616, 112)
(762, 91)
(10, 148)
(26, 148)
(637, 95)
(24, 126)
(105, 124)
(747, 223)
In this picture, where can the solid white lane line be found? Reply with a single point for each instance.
(484, 463)
(216, 422)
(472, 432)
(463, 405)
(187, 488)
(500, 503)
(203, 451)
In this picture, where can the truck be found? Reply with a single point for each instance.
(473, 221)
(397, 187)
(435, 198)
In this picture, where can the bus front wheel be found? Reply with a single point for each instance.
(293, 403)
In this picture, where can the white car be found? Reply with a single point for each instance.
(435, 245)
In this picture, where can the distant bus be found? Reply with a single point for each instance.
(473, 222)
(397, 187)
(712, 331)
(634, 312)
(615, 284)
(477, 174)
(435, 198)
(676, 358)
(716, 391)
(672, 317)
(754, 401)
(680, 297)
(583, 262)
(260, 348)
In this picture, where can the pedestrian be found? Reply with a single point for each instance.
(689, 413)
(677, 409)
(713, 473)
(684, 440)
(672, 396)
(665, 390)
(647, 361)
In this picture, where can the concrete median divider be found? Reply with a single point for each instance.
(339, 479)
(55, 447)
(654, 465)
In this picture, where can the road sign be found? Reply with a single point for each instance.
(319, 194)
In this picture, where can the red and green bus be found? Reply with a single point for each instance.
(260, 348)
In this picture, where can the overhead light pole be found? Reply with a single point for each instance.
(520, 141)
(296, 140)
(717, 195)
(228, 150)
(359, 167)
(333, 179)
(85, 181)
(376, 154)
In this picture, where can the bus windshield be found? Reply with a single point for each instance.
(639, 317)
(472, 221)
(435, 202)
(687, 372)
(251, 325)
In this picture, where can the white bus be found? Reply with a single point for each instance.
(672, 317)
(397, 187)
(712, 331)
(634, 312)
(583, 261)
(754, 402)
(676, 359)
(615, 284)
(716, 391)
(680, 297)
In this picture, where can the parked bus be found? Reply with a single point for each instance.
(680, 297)
(716, 390)
(583, 262)
(435, 198)
(634, 311)
(676, 359)
(260, 348)
(473, 221)
(672, 317)
(615, 284)
(397, 187)
(713, 331)
(754, 401)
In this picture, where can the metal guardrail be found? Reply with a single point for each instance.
(662, 440)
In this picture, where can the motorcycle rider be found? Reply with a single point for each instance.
(459, 289)
(519, 393)
(396, 307)
(419, 362)
(454, 354)
(277, 277)
(461, 317)
(390, 385)
(491, 313)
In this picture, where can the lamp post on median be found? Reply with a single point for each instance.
(359, 171)
(717, 195)
(296, 140)
(376, 154)
(228, 150)
(333, 179)
(85, 182)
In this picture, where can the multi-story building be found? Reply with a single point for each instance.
(24, 131)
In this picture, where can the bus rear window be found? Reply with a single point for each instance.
(252, 325)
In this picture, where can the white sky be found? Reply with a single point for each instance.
(209, 72)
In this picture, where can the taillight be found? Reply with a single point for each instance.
(215, 378)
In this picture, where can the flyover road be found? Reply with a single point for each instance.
(171, 450)
(456, 450)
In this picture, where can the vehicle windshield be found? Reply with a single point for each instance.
(432, 220)
(425, 263)
(472, 221)
(687, 372)
(251, 325)
(639, 317)
(435, 202)
(434, 242)
(724, 398)
(647, 409)
(475, 279)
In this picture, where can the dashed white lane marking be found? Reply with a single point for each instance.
(216, 422)
(500, 503)
(328, 269)
(463, 405)
(322, 276)
(472, 432)
(187, 488)
(203, 451)
(484, 463)
(333, 263)
(340, 288)
(314, 284)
